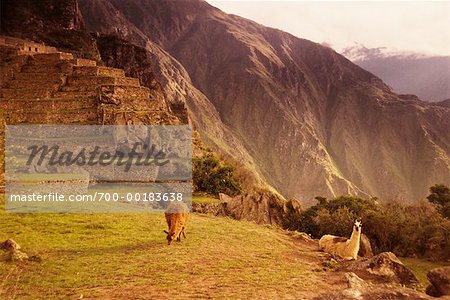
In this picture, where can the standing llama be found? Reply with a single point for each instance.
(343, 247)
(177, 216)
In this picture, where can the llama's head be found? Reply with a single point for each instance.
(358, 224)
(170, 236)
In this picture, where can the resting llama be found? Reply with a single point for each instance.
(343, 247)
(177, 215)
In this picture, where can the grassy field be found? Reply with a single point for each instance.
(205, 199)
(126, 256)
(420, 267)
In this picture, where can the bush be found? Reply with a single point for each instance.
(212, 176)
(440, 196)
(313, 221)
(418, 230)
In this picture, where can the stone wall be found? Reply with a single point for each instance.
(57, 88)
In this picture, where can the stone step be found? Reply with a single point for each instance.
(96, 80)
(79, 88)
(76, 94)
(38, 93)
(51, 57)
(98, 71)
(50, 69)
(52, 116)
(29, 84)
(81, 62)
(126, 93)
(53, 103)
(30, 76)
(3, 106)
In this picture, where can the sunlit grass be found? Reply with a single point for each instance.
(205, 199)
(95, 254)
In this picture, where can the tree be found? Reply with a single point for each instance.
(440, 196)
(214, 176)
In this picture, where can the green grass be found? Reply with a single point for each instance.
(126, 256)
(421, 267)
(205, 199)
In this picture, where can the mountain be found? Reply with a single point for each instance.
(302, 117)
(305, 118)
(407, 73)
(445, 103)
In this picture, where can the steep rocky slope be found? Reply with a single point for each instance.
(55, 22)
(445, 103)
(312, 122)
(304, 118)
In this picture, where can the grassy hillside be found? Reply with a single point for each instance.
(421, 267)
(126, 256)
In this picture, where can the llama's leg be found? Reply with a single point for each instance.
(183, 232)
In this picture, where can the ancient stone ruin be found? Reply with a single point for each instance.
(40, 85)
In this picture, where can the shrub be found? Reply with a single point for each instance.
(418, 230)
(338, 222)
(213, 176)
(440, 196)
(309, 221)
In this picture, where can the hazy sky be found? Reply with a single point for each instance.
(417, 26)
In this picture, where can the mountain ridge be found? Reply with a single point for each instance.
(303, 118)
(315, 108)
(426, 76)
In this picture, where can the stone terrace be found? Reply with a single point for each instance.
(56, 88)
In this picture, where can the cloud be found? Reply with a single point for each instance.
(417, 26)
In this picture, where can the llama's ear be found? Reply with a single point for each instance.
(166, 232)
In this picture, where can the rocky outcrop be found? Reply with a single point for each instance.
(359, 289)
(58, 23)
(13, 249)
(384, 267)
(355, 286)
(440, 282)
(261, 207)
(136, 62)
(205, 208)
(365, 248)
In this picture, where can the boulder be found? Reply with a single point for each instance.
(440, 282)
(9, 245)
(14, 250)
(18, 255)
(359, 289)
(205, 208)
(356, 286)
(365, 249)
(260, 207)
(385, 267)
